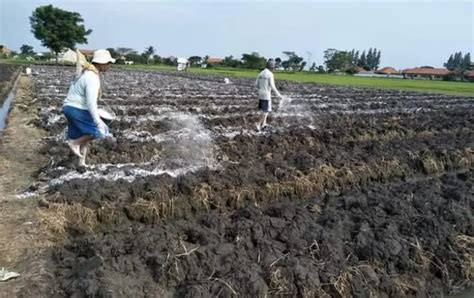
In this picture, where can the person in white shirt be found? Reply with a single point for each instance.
(265, 83)
(80, 106)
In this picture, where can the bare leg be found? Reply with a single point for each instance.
(75, 144)
(82, 160)
(264, 119)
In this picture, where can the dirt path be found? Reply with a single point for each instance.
(22, 245)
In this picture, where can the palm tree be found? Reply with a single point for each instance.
(149, 51)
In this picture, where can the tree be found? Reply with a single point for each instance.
(450, 63)
(377, 60)
(294, 61)
(148, 54)
(195, 60)
(277, 62)
(58, 29)
(230, 61)
(135, 57)
(124, 51)
(27, 50)
(302, 65)
(458, 65)
(337, 60)
(457, 60)
(370, 59)
(156, 59)
(466, 65)
(253, 61)
(363, 61)
(113, 53)
(45, 56)
(328, 59)
(168, 61)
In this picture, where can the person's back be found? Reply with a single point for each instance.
(80, 106)
(83, 90)
(264, 84)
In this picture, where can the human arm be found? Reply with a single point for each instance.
(272, 85)
(92, 86)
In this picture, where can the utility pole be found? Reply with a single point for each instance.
(309, 58)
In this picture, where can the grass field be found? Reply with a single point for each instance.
(453, 88)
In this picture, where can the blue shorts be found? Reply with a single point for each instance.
(80, 123)
(265, 105)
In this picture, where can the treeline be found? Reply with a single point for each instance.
(351, 61)
(459, 63)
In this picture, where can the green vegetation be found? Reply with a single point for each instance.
(58, 29)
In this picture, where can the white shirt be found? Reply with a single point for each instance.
(265, 84)
(83, 94)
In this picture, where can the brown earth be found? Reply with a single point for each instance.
(370, 196)
(22, 242)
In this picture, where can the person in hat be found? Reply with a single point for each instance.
(80, 106)
(265, 84)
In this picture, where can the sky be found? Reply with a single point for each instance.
(408, 33)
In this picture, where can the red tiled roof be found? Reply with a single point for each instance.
(387, 70)
(214, 60)
(427, 71)
(5, 50)
(87, 52)
(469, 74)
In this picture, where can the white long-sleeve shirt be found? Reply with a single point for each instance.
(265, 84)
(83, 94)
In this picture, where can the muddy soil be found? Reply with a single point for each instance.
(392, 240)
(349, 192)
(24, 244)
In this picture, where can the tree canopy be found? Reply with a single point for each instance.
(58, 29)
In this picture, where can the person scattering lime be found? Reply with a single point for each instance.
(265, 83)
(80, 105)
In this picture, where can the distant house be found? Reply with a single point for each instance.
(387, 71)
(364, 72)
(182, 63)
(67, 55)
(469, 75)
(5, 51)
(87, 53)
(426, 73)
(214, 60)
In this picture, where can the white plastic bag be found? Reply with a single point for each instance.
(6, 275)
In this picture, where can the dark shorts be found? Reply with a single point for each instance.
(80, 123)
(265, 105)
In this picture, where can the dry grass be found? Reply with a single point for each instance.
(343, 283)
(237, 196)
(404, 286)
(59, 217)
(466, 243)
(328, 177)
(203, 192)
(278, 283)
(109, 214)
(151, 211)
(430, 165)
